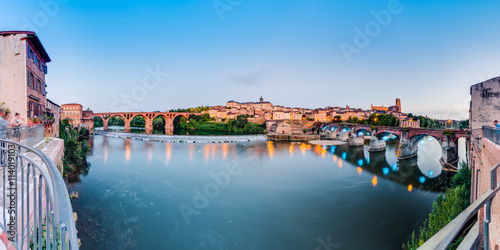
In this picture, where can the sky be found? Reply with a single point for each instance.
(159, 55)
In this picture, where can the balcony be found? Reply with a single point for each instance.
(37, 212)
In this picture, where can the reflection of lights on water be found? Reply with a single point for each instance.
(374, 181)
(168, 152)
(344, 155)
(385, 171)
(340, 163)
(431, 173)
(332, 149)
(318, 149)
(410, 187)
(360, 170)
(360, 162)
(368, 160)
(225, 148)
(207, 152)
(191, 151)
(334, 158)
(421, 179)
(303, 148)
(290, 149)
(394, 167)
(127, 150)
(270, 148)
(323, 153)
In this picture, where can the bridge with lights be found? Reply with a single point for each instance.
(409, 139)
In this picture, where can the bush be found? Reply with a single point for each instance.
(445, 208)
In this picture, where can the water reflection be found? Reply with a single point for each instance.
(127, 150)
(126, 206)
(168, 152)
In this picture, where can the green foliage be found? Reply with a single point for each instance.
(445, 209)
(376, 119)
(191, 110)
(98, 122)
(204, 124)
(138, 121)
(116, 121)
(7, 110)
(426, 122)
(337, 118)
(463, 125)
(75, 150)
(449, 133)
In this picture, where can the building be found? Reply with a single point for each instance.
(74, 113)
(391, 109)
(88, 119)
(484, 152)
(23, 67)
(410, 123)
(485, 103)
(55, 111)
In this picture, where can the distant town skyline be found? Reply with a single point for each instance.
(160, 55)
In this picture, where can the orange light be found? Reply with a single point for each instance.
(225, 147)
(374, 181)
(303, 148)
(270, 148)
(290, 149)
(410, 187)
(323, 153)
(334, 158)
(360, 170)
(169, 152)
(340, 163)
(207, 152)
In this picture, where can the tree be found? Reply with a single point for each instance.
(337, 118)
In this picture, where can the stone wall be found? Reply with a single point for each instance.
(485, 104)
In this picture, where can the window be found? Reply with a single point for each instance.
(29, 78)
(38, 85)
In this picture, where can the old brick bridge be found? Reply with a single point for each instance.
(409, 139)
(148, 117)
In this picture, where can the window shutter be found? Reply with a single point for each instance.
(45, 69)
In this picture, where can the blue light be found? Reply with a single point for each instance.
(333, 149)
(344, 129)
(430, 138)
(421, 179)
(394, 167)
(324, 147)
(368, 160)
(431, 173)
(422, 142)
(360, 133)
(360, 162)
(385, 138)
(344, 155)
(385, 171)
(367, 133)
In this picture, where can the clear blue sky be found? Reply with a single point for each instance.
(428, 54)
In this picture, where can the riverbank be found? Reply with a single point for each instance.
(285, 137)
(184, 138)
(327, 142)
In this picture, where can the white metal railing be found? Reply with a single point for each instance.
(37, 212)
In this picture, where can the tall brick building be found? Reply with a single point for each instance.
(77, 116)
(23, 66)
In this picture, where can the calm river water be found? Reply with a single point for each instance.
(252, 195)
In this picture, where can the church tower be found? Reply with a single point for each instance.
(261, 99)
(398, 104)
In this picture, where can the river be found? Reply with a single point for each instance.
(252, 195)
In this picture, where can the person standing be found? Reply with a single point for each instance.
(16, 126)
(3, 124)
